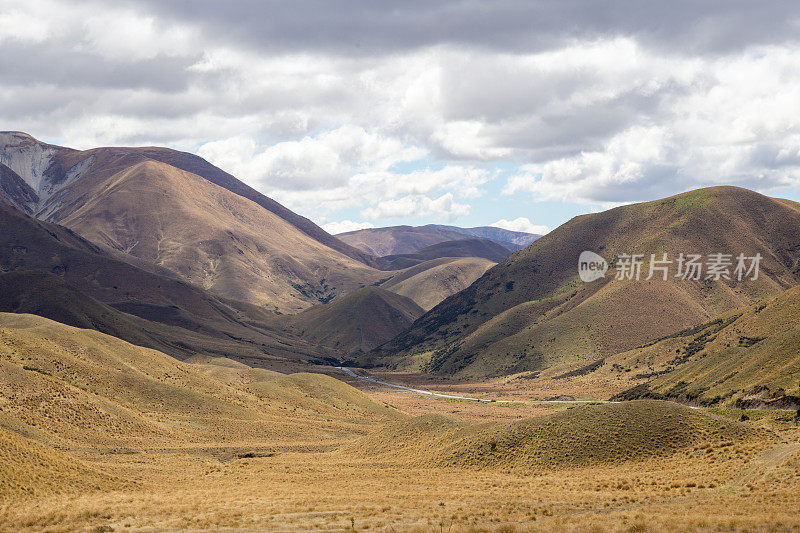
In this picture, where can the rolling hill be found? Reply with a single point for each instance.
(478, 248)
(398, 240)
(75, 389)
(532, 312)
(357, 322)
(177, 211)
(586, 435)
(431, 282)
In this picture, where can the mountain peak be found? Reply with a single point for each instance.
(16, 138)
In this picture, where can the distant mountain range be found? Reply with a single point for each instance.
(401, 240)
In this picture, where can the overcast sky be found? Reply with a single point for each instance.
(519, 113)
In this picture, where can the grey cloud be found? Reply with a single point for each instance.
(54, 62)
(368, 27)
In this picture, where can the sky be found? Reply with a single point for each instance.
(365, 113)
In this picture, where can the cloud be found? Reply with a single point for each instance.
(441, 208)
(334, 228)
(727, 123)
(521, 224)
(364, 27)
(387, 111)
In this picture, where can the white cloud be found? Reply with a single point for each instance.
(441, 208)
(18, 25)
(521, 224)
(334, 228)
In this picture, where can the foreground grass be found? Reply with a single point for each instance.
(99, 435)
(712, 485)
(721, 490)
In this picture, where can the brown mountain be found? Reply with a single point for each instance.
(51, 271)
(395, 240)
(357, 322)
(532, 311)
(177, 211)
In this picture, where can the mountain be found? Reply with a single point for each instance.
(513, 240)
(532, 311)
(431, 282)
(398, 240)
(480, 248)
(49, 270)
(395, 240)
(179, 212)
(357, 322)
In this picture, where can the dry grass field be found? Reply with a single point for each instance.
(100, 435)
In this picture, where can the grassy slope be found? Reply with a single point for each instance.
(532, 312)
(431, 282)
(724, 358)
(357, 322)
(78, 388)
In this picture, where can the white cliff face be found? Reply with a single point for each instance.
(31, 159)
(22, 154)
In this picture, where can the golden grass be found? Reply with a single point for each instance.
(100, 435)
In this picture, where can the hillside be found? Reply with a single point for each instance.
(70, 388)
(358, 322)
(15, 192)
(532, 312)
(177, 211)
(586, 435)
(431, 282)
(54, 272)
(480, 248)
(750, 352)
(398, 240)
